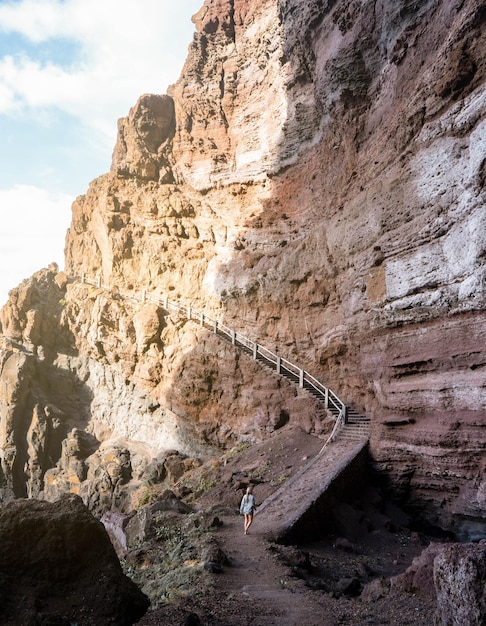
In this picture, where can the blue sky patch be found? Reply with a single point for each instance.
(61, 52)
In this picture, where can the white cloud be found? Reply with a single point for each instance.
(7, 98)
(35, 20)
(33, 85)
(34, 224)
(77, 62)
(123, 50)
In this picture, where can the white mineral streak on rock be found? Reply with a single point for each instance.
(320, 189)
(446, 164)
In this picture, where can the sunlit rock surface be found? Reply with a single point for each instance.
(315, 179)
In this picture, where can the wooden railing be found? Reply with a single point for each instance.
(258, 352)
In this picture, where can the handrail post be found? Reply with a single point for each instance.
(287, 368)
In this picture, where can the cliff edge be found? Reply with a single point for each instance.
(315, 180)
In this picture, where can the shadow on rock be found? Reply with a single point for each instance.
(57, 566)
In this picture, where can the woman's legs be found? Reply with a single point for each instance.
(248, 521)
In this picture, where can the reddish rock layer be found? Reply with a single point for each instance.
(316, 180)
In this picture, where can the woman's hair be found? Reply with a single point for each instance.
(248, 491)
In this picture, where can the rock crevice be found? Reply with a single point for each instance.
(314, 179)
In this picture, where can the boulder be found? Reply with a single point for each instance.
(115, 524)
(57, 566)
(419, 577)
(460, 581)
(141, 138)
(147, 323)
(141, 526)
(107, 482)
(375, 590)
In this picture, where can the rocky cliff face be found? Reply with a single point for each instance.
(315, 179)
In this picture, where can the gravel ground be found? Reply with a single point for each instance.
(258, 583)
(268, 584)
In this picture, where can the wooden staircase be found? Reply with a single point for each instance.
(299, 507)
(357, 428)
(350, 425)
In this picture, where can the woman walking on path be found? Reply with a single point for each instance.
(248, 508)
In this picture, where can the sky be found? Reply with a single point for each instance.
(69, 69)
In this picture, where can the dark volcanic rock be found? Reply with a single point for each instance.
(314, 180)
(57, 566)
(419, 577)
(460, 581)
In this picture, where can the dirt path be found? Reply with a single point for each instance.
(267, 584)
(257, 589)
(258, 586)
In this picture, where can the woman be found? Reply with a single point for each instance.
(248, 508)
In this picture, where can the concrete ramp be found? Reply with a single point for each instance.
(298, 511)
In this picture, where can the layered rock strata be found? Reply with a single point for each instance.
(315, 179)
